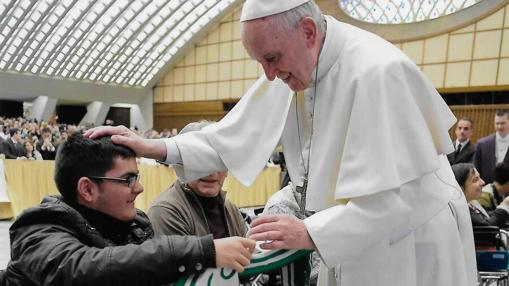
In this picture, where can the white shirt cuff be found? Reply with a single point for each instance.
(173, 156)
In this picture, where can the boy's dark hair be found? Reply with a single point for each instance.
(501, 173)
(46, 130)
(82, 157)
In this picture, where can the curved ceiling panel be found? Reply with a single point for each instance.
(118, 42)
(416, 23)
(402, 11)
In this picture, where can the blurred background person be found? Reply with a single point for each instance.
(30, 152)
(464, 149)
(492, 149)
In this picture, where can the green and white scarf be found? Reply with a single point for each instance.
(261, 262)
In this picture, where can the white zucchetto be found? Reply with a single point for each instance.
(254, 9)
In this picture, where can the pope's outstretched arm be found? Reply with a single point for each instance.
(166, 150)
(241, 142)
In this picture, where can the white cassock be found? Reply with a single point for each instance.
(389, 211)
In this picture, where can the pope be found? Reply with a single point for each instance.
(364, 135)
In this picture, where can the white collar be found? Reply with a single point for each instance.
(332, 47)
(502, 139)
(463, 144)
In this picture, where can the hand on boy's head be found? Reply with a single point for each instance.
(101, 131)
(148, 148)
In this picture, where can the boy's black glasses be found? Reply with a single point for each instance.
(129, 181)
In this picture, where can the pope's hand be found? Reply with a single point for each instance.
(148, 148)
(281, 231)
(234, 252)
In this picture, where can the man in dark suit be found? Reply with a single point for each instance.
(12, 147)
(492, 149)
(464, 149)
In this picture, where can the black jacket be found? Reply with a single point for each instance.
(53, 244)
(466, 155)
(46, 154)
(12, 150)
(498, 217)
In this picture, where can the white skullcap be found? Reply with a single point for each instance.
(254, 9)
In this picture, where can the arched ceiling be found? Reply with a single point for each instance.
(422, 19)
(122, 43)
(402, 11)
(120, 48)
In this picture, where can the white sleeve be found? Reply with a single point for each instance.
(199, 153)
(241, 142)
(173, 156)
(343, 232)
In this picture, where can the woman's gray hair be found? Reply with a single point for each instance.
(289, 20)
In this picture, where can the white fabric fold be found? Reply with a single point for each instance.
(410, 125)
(243, 149)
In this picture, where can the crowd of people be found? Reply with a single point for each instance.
(21, 138)
(482, 171)
(25, 139)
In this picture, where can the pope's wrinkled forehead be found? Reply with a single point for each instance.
(261, 36)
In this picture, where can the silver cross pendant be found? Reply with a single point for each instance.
(302, 191)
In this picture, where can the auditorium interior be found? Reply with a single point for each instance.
(156, 65)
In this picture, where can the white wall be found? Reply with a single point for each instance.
(141, 115)
(42, 108)
(96, 113)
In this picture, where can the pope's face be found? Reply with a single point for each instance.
(288, 55)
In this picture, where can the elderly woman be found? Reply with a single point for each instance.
(471, 184)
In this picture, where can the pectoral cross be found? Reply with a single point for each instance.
(302, 191)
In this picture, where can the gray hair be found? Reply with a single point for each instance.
(195, 126)
(289, 20)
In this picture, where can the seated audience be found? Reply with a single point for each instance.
(30, 153)
(12, 147)
(493, 194)
(93, 235)
(45, 146)
(199, 207)
(471, 183)
(31, 129)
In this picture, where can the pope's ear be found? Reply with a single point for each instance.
(309, 27)
(86, 189)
